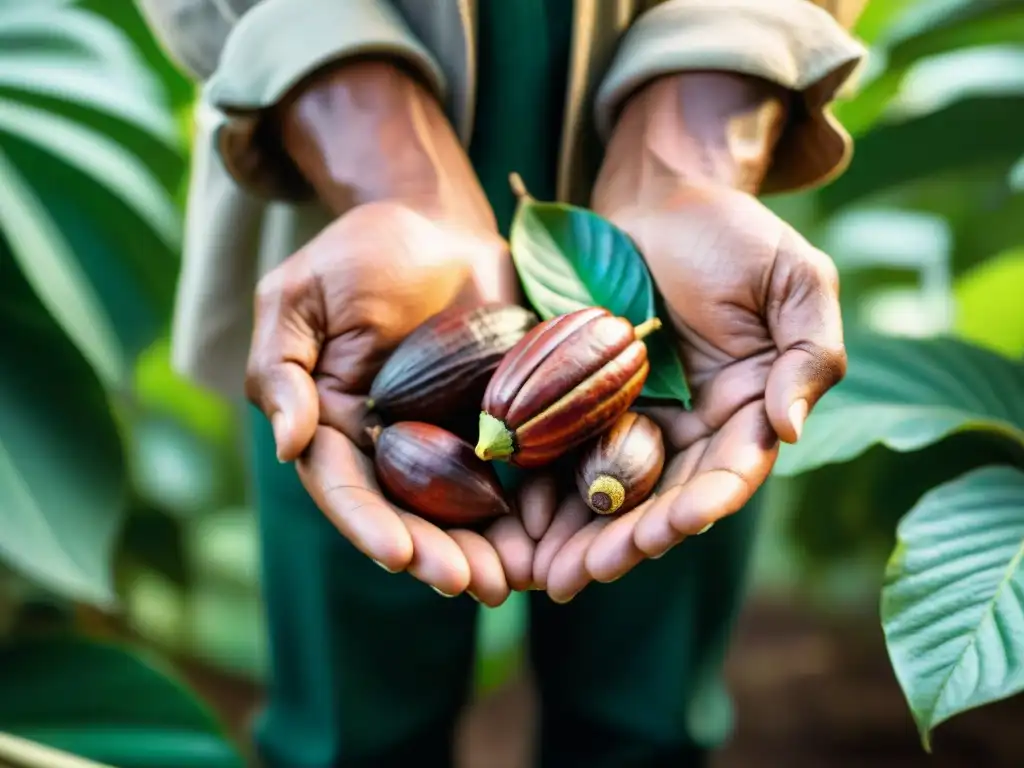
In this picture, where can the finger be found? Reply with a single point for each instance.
(437, 559)
(568, 575)
(283, 352)
(613, 551)
(808, 331)
(571, 516)
(339, 479)
(487, 582)
(538, 500)
(655, 521)
(345, 412)
(515, 549)
(734, 465)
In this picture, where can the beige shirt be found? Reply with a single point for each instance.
(248, 53)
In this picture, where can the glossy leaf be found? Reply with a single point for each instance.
(943, 140)
(907, 394)
(106, 704)
(569, 258)
(924, 28)
(851, 510)
(62, 476)
(94, 229)
(953, 601)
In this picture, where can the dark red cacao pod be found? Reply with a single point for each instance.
(566, 381)
(620, 468)
(435, 474)
(446, 363)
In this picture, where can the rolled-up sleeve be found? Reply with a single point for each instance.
(803, 46)
(250, 60)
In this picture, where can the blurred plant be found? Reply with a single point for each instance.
(918, 456)
(936, 427)
(91, 158)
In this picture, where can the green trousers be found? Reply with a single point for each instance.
(370, 669)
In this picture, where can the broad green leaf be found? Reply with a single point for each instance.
(927, 29)
(907, 394)
(107, 704)
(569, 258)
(62, 477)
(851, 510)
(106, 163)
(989, 304)
(953, 602)
(35, 27)
(98, 90)
(944, 140)
(49, 264)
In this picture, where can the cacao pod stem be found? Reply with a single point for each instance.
(606, 494)
(496, 440)
(646, 328)
(374, 433)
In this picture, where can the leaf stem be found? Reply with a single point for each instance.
(374, 433)
(519, 187)
(646, 328)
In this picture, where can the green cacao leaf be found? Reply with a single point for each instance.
(907, 394)
(569, 258)
(62, 474)
(953, 601)
(106, 704)
(905, 33)
(944, 140)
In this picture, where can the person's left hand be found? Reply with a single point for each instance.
(756, 311)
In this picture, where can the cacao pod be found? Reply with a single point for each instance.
(621, 467)
(447, 362)
(435, 474)
(566, 381)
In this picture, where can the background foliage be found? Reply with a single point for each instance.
(123, 489)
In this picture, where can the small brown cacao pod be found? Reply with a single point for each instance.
(619, 469)
(566, 381)
(446, 363)
(435, 474)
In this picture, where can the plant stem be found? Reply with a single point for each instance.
(646, 328)
(519, 187)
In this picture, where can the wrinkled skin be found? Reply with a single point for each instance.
(755, 309)
(326, 319)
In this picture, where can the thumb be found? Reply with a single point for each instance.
(805, 322)
(283, 353)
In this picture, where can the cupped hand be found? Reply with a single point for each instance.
(325, 321)
(755, 309)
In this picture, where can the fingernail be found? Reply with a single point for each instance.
(564, 600)
(473, 596)
(442, 594)
(798, 415)
(279, 424)
(378, 562)
(706, 528)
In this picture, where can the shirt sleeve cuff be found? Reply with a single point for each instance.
(271, 49)
(792, 43)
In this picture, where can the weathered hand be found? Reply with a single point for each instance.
(756, 311)
(326, 319)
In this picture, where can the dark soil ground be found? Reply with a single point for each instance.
(810, 693)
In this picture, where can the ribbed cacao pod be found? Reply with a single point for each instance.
(446, 363)
(566, 381)
(432, 472)
(620, 468)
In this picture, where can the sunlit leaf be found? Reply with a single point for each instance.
(107, 704)
(569, 258)
(62, 478)
(907, 394)
(953, 603)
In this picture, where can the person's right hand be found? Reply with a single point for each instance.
(326, 320)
